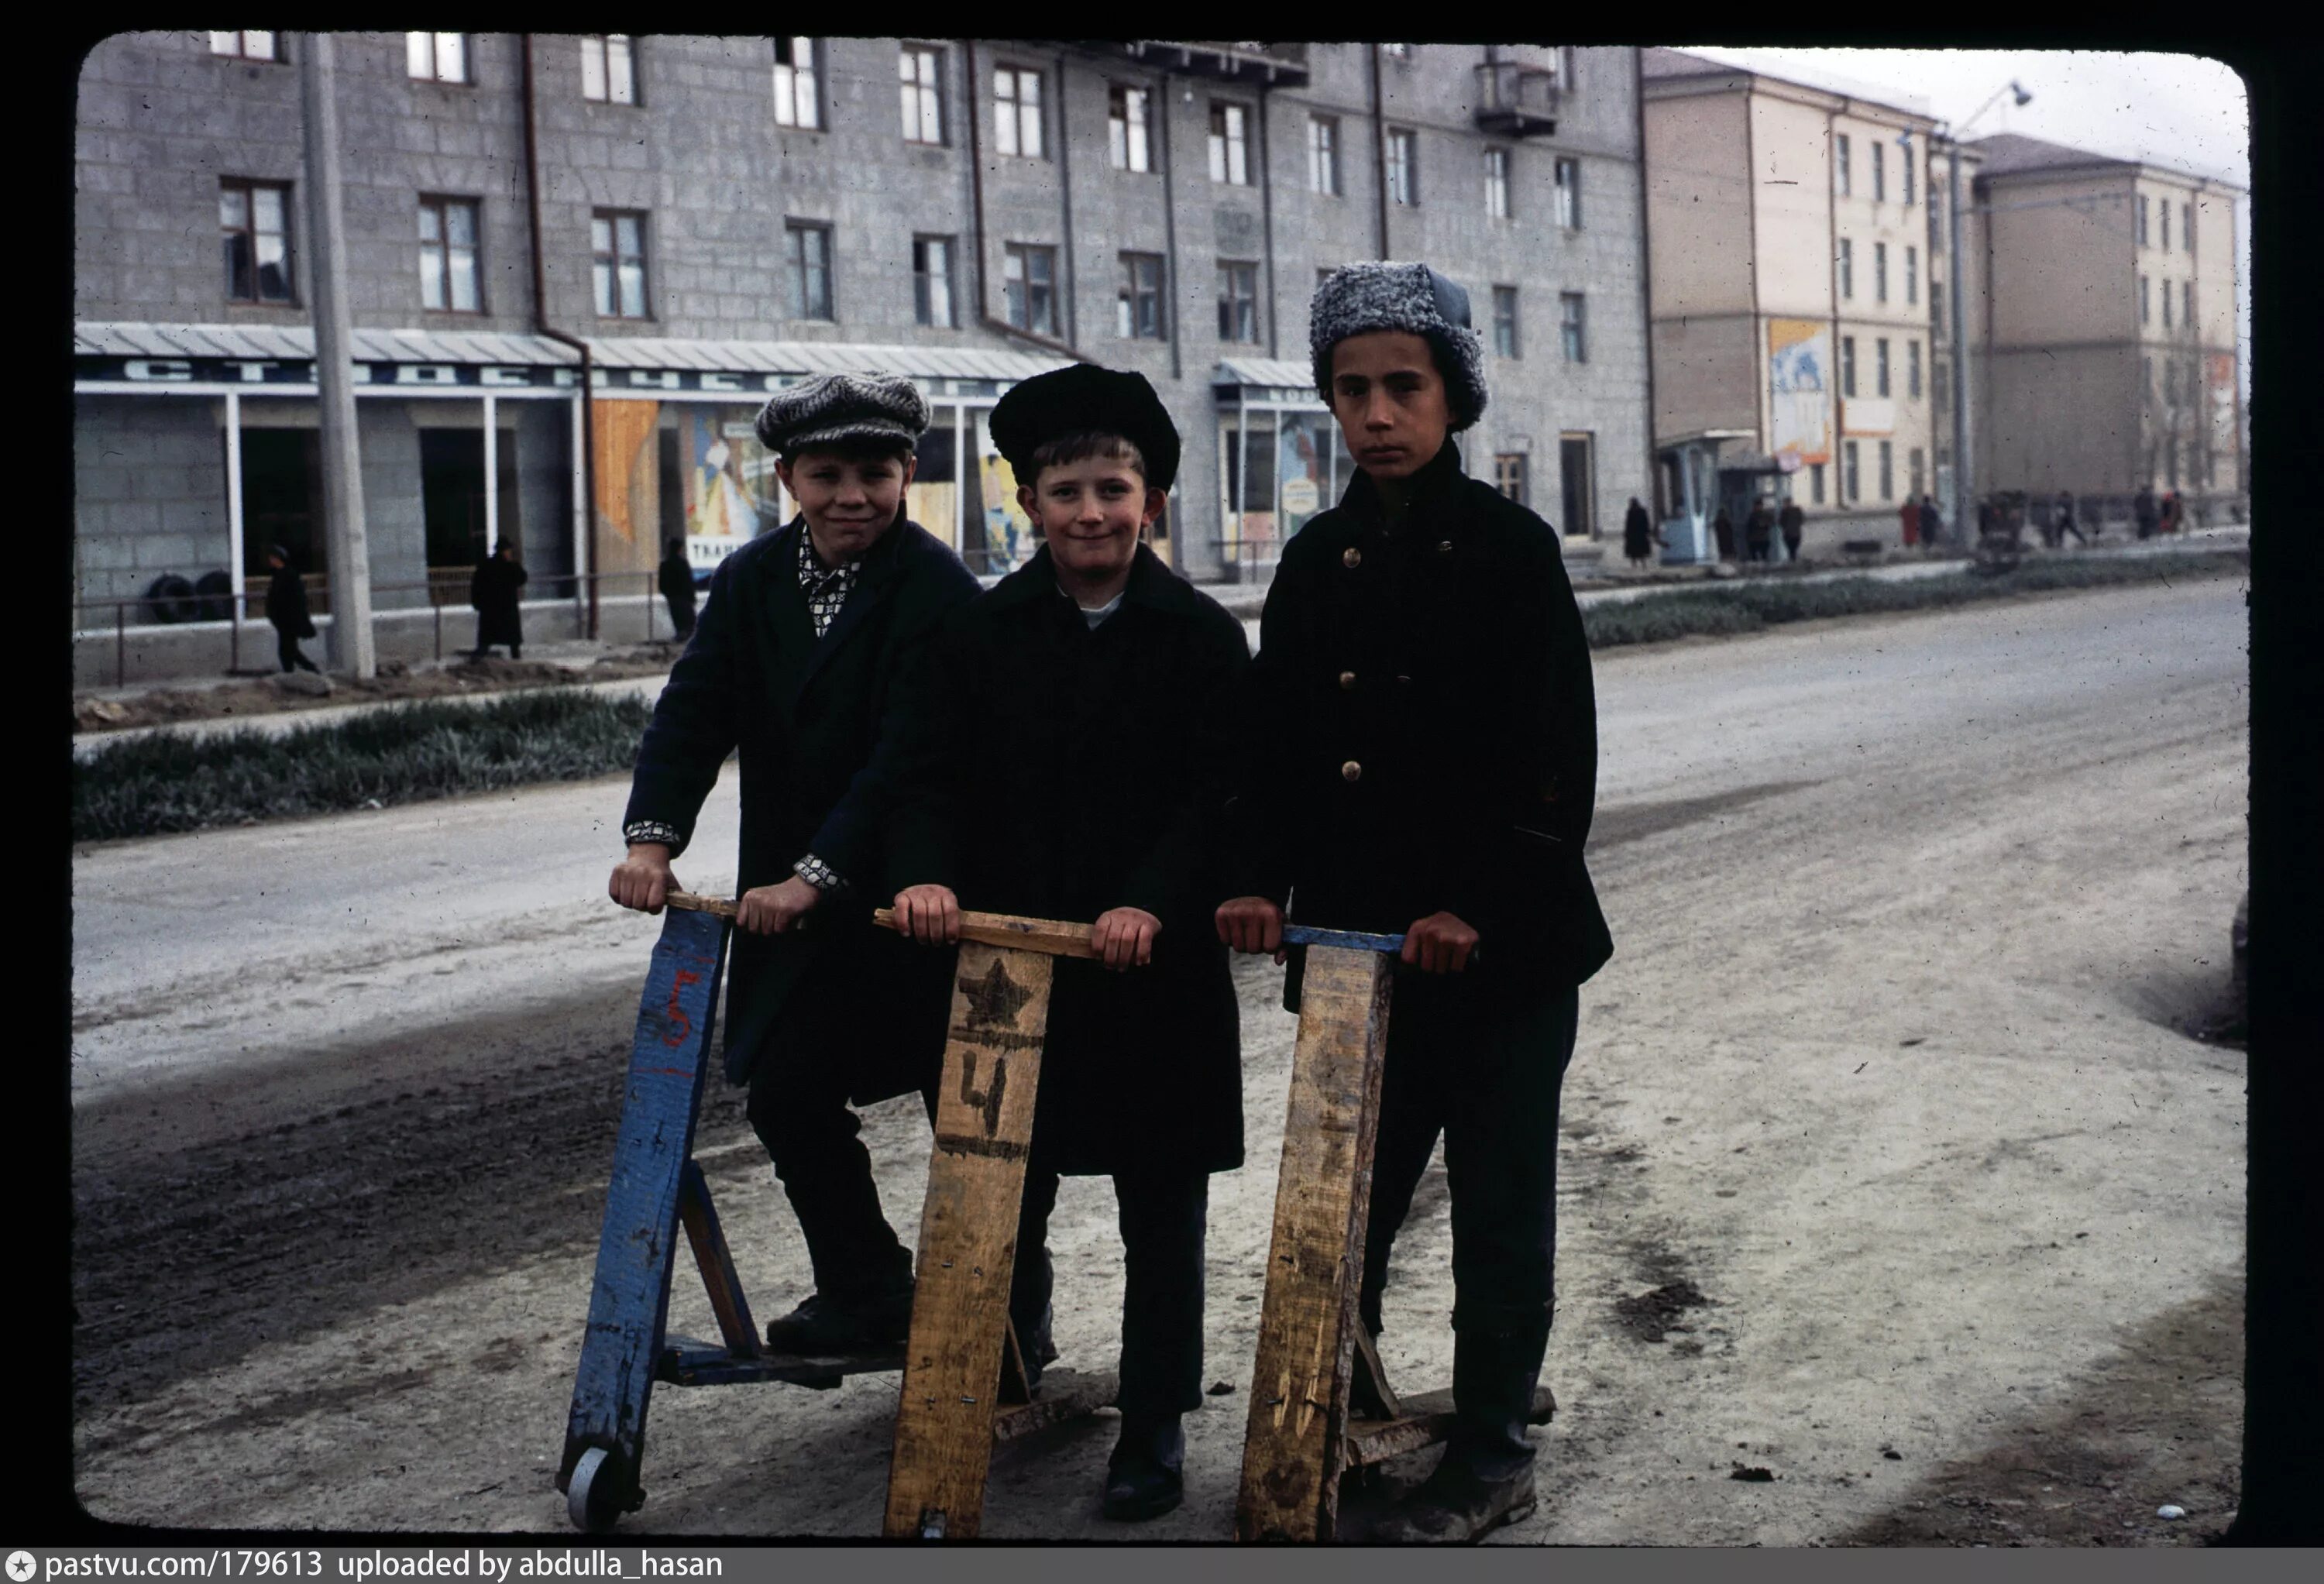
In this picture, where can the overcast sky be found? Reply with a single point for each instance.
(2183, 111)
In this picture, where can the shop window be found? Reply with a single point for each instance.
(282, 498)
(932, 499)
(437, 56)
(1028, 287)
(607, 72)
(452, 494)
(617, 241)
(449, 277)
(1815, 484)
(254, 218)
(1577, 469)
(920, 69)
(797, 101)
(1017, 111)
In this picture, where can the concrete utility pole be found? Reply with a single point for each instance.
(351, 648)
(1964, 454)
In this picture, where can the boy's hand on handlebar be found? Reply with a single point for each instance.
(1124, 937)
(1251, 923)
(930, 914)
(643, 880)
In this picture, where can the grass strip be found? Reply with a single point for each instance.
(1756, 606)
(398, 753)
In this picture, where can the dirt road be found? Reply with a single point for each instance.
(1888, 1169)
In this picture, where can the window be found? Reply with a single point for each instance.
(1017, 111)
(1912, 274)
(1496, 183)
(247, 46)
(1911, 368)
(797, 104)
(1937, 306)
(1839, 164)
(448, 275)
(2166, 227)
(2166, 304)
(617, 238)
(1238, 301)
(1815, 484)
(1879, 268)
(1848, 365)
(920, 85)
(607, 72)
(1029, 284)
(2187, 303)
(1568, 194)
(1505, 320)
(1229, 159)
(1571, 328)
(1402, 158)
(1125, 128)
(1906, 163)
(437, 56)
(1880, 366)
(1937, 216)
(2142, 221)
(1509, 474)
(254, 218)
(1879, 171)
(1846, 267)
(809, 243)
(1140, 315)
(2144, 316)
(1888, 470)
(1577, 479)
(1919, 471)
(1323, 154)
(932, 281)
(1940, 393)
(2187, 225)
(1848, 479)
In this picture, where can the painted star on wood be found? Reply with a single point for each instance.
(994, 1000)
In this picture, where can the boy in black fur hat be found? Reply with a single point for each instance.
(1079, 773)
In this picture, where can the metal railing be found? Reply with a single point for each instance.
(246, 608)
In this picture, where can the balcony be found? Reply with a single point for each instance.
(1267, 65)
(1516, 101)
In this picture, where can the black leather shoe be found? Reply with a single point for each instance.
(827, 1325)
(1143, 1478)
(1455, 1505)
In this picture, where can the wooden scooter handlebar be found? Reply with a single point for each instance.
(1006, 929)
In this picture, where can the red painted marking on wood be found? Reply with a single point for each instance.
(681, 1025)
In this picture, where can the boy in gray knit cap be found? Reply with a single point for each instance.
(1421, 758)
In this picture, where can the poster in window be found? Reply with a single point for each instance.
(1799, 360)
(732, 492)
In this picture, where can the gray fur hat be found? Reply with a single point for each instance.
(1357, 299)
(834, 407)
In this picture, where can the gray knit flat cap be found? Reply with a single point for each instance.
(1358, 299)
(834, 407)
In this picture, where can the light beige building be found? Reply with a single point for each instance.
(2111, 322)
(1789, 268)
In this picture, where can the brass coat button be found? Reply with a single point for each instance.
(1351, 771)
(1348, 680)
(1351, 558)
(1443, 546)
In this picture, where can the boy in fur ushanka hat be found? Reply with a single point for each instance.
(1421, 759)
(1086, 706)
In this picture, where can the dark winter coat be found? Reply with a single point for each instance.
(1792, 521)
(822, 726)
(492, 591)
(677, 576)
(1722, 529)
(286, 603)
(1637, 534)
(1423, 734)
(1759, 528)
(1072, 770)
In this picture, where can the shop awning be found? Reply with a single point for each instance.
(805, 358)
(1265, 379)
(296, 343)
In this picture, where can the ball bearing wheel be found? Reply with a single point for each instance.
(591, 1499)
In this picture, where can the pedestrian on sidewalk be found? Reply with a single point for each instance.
(1638, 535)
(1722, 529)
(2142, 510)
(677, 576)
(1933, 525)
(2171, 513)
(1094, 787)
(493, 592)
(286, 609)
(1909, 515)
(2063, 516)
(1760, 532)
(1425, 624)
(807, 659)
(1794, 522)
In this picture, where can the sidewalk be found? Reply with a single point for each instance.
(579, 656)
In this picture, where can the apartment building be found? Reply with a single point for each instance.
(578, 263)
(1791, 287)
(2111, 319)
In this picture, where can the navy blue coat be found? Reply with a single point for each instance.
(1422, 731)
(822, 727)
(1074, 770)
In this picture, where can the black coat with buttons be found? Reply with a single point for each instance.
(1072, 770)
(1422, 731)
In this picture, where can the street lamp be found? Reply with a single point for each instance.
(1964, 475)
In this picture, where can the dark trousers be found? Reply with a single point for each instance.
(286, 649)
(1792, 546)
(805, 1121)
(681, 613)
(1163, 1216)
